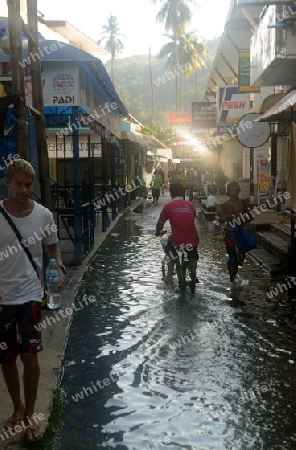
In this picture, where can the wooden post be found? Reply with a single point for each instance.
(38, 104)
(17, 76)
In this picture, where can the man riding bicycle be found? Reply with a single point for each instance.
(181, 215)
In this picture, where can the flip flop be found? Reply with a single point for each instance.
(11, 423)
(35, 437)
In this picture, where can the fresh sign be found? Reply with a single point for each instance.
(232, 105)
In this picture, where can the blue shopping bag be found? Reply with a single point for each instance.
(242, 238)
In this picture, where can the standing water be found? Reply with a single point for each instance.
(146, 369)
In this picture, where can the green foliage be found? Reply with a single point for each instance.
(110, 36)
(134, 87)
(174, 14)
(55, 422)
(163, 134)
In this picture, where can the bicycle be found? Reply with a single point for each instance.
(185, 273)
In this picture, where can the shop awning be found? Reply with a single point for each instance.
(266, 103)
(279, 112)
(125, 135)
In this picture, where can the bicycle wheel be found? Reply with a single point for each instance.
(164, 267)
(181, 278)
(188, 277)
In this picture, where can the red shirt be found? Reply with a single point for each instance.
(181, 214)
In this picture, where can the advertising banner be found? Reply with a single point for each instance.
(59, 85)
(204, 114)
(231, 105)
(180, 119)
(264, 178)
(244, 73)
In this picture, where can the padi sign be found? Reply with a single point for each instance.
(59, 85)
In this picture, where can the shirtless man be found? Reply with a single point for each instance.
(232, 209)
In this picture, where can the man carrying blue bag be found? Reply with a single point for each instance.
(238, 240)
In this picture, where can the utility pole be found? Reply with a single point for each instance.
(151, 84)
(38, 104)
(17, 78)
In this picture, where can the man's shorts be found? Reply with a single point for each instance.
(235, 256)
(191, 251)
(156, 193)
(17, 330)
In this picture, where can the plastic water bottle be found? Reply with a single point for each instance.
(52, 277)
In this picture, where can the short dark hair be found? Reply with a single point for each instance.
(232, 184)
(176, 190)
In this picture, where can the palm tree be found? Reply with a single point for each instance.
(110, 37)
(190, 53)
(175, 14)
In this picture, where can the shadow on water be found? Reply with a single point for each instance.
(146, 369)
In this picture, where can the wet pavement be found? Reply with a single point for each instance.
(148, 369)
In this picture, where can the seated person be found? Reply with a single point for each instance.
(211, 203)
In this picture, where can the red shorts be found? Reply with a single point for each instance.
(18, 333)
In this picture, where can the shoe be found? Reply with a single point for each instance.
(34, 434)
(11, 423)
(168, 280)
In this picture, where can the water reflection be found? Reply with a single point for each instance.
(147, 370)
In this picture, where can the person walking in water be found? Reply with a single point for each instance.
(156, 185)
(232, 209)
(161, 172)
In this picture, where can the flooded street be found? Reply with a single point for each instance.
(146, 369)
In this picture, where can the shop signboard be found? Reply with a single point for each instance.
(231, 105)
(176, 119)
(59, 85)
(264, 178)
(204, 114)
(244, 73)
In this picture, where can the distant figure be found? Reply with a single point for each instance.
(190, 183)
(156, 185)
(211, 203)
(161, 172)
(173, 177)
(182, 179)
(86, 189)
